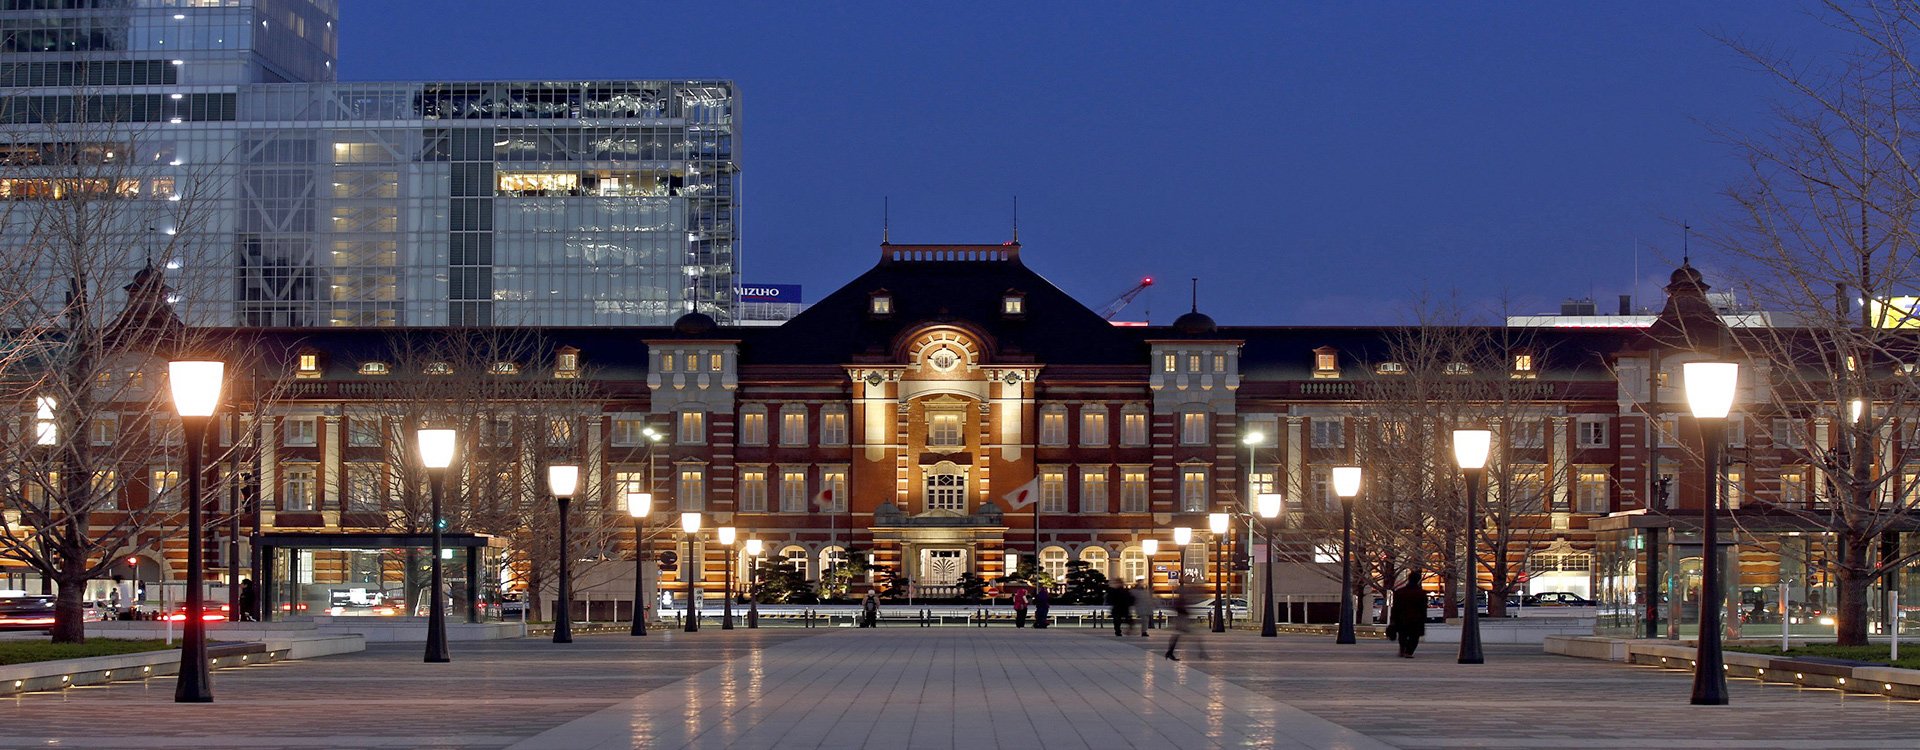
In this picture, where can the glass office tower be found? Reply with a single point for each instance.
(281, 197)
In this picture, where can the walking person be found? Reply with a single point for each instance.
(249, 600)
(1020, 606)
(1121, 602)
(1407, 620)
(870, 610)
(1143, 604)
(1042, 601)
(1185, 596)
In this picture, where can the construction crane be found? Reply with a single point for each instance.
(1126, 298)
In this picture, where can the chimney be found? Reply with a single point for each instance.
(1626, 304)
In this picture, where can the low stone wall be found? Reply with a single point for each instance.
(411, 629)
(1678, 655)
(93, 670)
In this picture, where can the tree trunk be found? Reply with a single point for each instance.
(69, 617)
(1854, 574)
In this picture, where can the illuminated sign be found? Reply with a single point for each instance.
(1894, 312)
(789, 293)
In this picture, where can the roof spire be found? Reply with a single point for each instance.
(1016, 219)
(1686, 244)
(886, 219)
(1194, 282)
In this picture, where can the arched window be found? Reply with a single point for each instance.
(1133, 565)
(1193, 562)
(796, 557)
(831, 557)
(1054, 561)
(1095, 557)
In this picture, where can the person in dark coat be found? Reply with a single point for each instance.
(1020, 607)
(1042, 601)
(1407, 619)
(1121, 601)
(870, 610)
(249, 600)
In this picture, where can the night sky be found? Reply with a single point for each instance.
(1311, 163)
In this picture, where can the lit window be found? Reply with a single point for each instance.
(753, 490)
(1193, 428)
(1793, 487)
(298, 493)
(693, 427)
(1093, 490)
(161, 489)
(1219, 363)
(947, 491)
(943, 430)
(793, 491)
(46, 430)
(504, 368)
(1326, 362)
(691, 487)
(833, 425)
(1523, 366)
(833, 489)
(559, 432)
(1053, 425)
(1133, 491)
(373, 368)
(1054, 561)
(1013, 304)
(568, 360)
(716, 362)
(1390, 368)
(1457, 368)
(309, 366)
(753, 426)
(1053, 491)
(880, 304)
(1193, 363)
(439, 368)
(1093, 425)
(1133, 427)
(793, 425)
(1193, 490)
(1169, 363)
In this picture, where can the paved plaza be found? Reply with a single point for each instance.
(949, 688)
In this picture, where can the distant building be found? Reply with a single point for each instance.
(571, 203)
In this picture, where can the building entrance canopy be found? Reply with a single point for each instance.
(376, 574)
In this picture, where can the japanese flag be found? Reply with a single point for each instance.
(824, 501)
(1024, 495)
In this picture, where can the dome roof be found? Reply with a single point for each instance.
(695, 324)
(1195, 323)
(1685, 274)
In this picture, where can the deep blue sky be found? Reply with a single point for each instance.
(1312, 163)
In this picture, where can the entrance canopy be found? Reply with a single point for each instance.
(376, 574)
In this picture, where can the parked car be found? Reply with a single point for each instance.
(26, 613)
(1558, 599)
(1237, 608)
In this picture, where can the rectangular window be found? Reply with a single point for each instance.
(298, 494)
(1093, 490)
(363, 431)
(833, 487)
(1789, 433)
(716, 362)
(833, 426)
(753, 427)
(1736, 431)
(302, 431)
(1320, 488)
(365, 485)
(1219, 363)
(1590, 490)
(1591, 432)
(1093, 425)
(1133, 491)
(693, 427)
(559, 432)
(498, 432)
(690, 486)
(105, 488)
(1053, 491)
(1669, 429)
(793, 491)
(1262, 482)
(943, 430)
(1053, 426)
(1193, 490)
(1133, 429)
(1168, 363)
(628, 481)
(1193, 428)
(163, 488)
(1736, 490)
(1793, 486)
(793, 425)
(1527, 489)
(1528, 433)
(1329, 432)
(104, 429)
(753, 490)
(629, 432)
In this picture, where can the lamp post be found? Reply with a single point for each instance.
(754, 546)
(1710, 390)
(690, 524)
(1470, 448)
(436, 454)
(1346, 484)
(562, 480)
(726, 534)
(196, 392)
(1217, 523)
(1270, 505)
(1253, 439)
(639, 504)
(1151, 548)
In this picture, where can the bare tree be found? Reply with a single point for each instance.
(1824, 238)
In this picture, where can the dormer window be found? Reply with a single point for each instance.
(438, 368)
(1457, 368)
(1523, 366)
(1326, 362)
(880, 303)
(566, 363)
(1013, 303)
(307, 365)
(374, 368)
(1390, 368)
(504, 368)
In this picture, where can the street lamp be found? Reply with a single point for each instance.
(196, 392)
(639, 504)
(690, 524)
(1151, 548)
(754, 547)
(1346, 484)
(1269, 505)
(436, 454)
(1217, 523)
(726, 535)
(1710, 391)
(1470, 448)
(562, 480)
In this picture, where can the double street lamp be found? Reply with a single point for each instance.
(195, 386)
(1470, 449)
(1218, 523)
(754, 547)
(1269, 505)
(726, 535)
(562, 480)
(1710, 390)
(436, 454)
(1346, 484)
(639, 504)
(690, 524)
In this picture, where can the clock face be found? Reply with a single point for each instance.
(943, 359)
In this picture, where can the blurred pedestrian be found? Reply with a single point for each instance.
(1120, 600)
(870, 610)
(1185, 598)
(1407, 621)
(1143, 604)
(249, 600)
(1020, 606)
(1042, 601)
